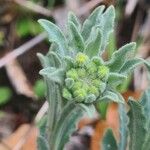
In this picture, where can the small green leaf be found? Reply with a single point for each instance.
(130, 65)
(120, 57)
(123, 127)
(74, 19)
(106, 26)
(93, 47)
(55, 35)
(137, 122)
(115, 79)
(5, 95)
(112, 96)
(109, 141)
(39, 88)
(77, 42)
(91, 21)
(67, 124)
(42, 143)
(54, 74)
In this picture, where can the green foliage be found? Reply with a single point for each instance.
(27, 26)
(5, 95)
(77, 77)
(39, 88)
(109, 142)
(136, 125)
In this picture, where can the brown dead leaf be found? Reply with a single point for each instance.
(19, 80)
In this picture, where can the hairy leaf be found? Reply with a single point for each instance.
(130, 65)
(109, 141)
(107, 23)
(93, 47)
(55, 35)
(66, 124)
(123, 127)
(120, 57)
(112, 96)
(42, 143)
(54, 74)
(74, 19)
(91, 21)
(77, 42)
(115, 79)
(137, 123)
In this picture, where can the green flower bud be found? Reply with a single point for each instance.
(97, 60)
(80, 95)
(77, 85)
(81, 72)
(93, 90)
(81, 59)
(103, 72)
(96, 82)
(72, 74)
(91, 68)
(90, 98)
(66, 94)
(102, 86)
(69, 82)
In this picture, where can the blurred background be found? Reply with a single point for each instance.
(21, 38)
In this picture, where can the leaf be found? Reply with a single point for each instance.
(123, 127)
(72, 18)
(130, 65)
(115, 79)
(145, 102)
(50, 60)
(109, 141)
(66, 124)
(54, 97)
(5, 95)
(137, 123)
(91, 22)
(55, 35)
(93, 47)
(77, 42)
(146, 145)
(54, 74)
(120, 57)
(42, 143)
(107, 24)
(113, 96)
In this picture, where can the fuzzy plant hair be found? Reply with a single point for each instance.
(77, 77)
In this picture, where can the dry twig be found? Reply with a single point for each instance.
(22, 49)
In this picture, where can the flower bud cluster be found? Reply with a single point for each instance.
(86, 80)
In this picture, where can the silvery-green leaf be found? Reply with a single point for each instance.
(145, 102)
(42, 143)
(130, 65)
(109, 141)
(120, 56)
(115, 79)
(66, 124)
(91, 21)
(106, 26)
(77, 42)
(123, 127)
(54, 74)
(74, 19)
(93, 47)
(55, 35)
(137, 122)
(90, 98)
(111, 96)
